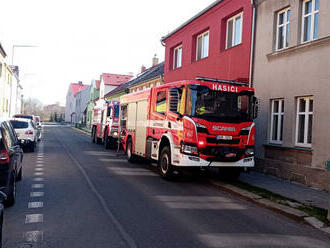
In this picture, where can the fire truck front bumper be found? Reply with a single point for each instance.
(193, 161)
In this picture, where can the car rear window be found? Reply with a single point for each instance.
(24, 116)
(19, 124)
(2, 147)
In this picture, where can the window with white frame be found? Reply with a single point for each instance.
(304, 122)
(310, 20)
(277, 117)
(234, 30)
(202, 45)
(177, 57)
(282, 31)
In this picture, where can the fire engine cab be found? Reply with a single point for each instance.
(200, 123)
(105, 123)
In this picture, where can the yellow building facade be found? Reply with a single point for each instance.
(6, 77)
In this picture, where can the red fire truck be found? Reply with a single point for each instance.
(200, 123)
(105, 123)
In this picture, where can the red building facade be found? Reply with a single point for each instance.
(215, 43)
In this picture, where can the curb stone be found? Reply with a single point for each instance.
(81, 130)
(288, 211)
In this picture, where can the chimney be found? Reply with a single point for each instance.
(154, 60)
(143, 68)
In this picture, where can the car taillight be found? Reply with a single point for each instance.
(29, 132)
(4, 157)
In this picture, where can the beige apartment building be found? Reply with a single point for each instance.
(292, 82)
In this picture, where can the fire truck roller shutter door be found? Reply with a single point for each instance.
(141, 127)
(131, 117)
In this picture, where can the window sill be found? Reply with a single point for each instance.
(196, 61)
(289, 147)
(177, 69)
(229, 48)
(306, 45)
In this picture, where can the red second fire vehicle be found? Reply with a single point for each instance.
(202, 123)
(105, 124)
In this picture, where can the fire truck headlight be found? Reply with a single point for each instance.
(189, 149)
(115, 134)
(249, 152)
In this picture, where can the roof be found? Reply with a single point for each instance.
(98, 83)
(20, 119)
(149, 74)
(192, 19)
(2, 51)
(77, 87)
(115, 79)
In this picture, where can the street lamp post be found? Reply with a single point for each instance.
(13, 49)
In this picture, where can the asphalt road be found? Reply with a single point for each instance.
(76, 194)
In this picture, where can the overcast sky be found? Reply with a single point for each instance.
(78, 40)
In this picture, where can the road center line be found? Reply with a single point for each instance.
(36, 194)
(33, 236)
(34, 218)
(37, 186)
(126, 237)
(38, 179)
(35, 204)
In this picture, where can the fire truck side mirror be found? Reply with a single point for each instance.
(255, 108)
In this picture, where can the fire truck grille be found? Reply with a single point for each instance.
(213, 140)
(217, 153)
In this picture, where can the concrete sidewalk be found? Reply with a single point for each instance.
(300, 193)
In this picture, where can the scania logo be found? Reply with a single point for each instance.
(221, 128)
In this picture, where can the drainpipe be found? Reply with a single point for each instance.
(254, 17)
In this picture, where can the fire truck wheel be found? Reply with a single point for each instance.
(130, 156)
(106, 141)
(229, 174)
(93, 135)
(165, 166)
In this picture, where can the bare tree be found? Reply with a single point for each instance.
(34, 107)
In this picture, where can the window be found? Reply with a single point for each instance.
(161, 102)
(176, 102)
(283, 25)
(304, 121)
(177, 57)
(202, 42)
(234, 31)
(310, 20)
(276, 125)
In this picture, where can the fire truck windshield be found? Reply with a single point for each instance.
(116, 110)
(218, 106)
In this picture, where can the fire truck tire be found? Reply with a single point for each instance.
(130, 156)
(93, 135)
(106, 140)
(229, 174)
(165, 167)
